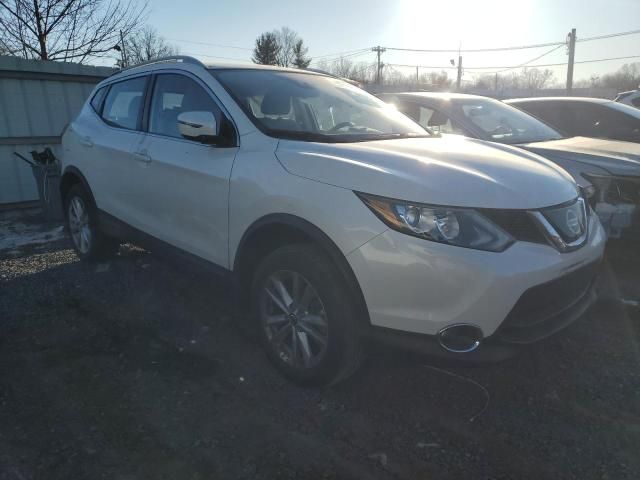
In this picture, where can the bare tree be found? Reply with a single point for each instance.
(342, 67)
(535, 78)
(436, 80)
(147, 44)
(626, 77)
(287, 40)
(69, 30)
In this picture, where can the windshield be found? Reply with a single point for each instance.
(503, 123)
(314, 107)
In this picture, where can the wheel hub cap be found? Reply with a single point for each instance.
(294, 319)
(79, 224)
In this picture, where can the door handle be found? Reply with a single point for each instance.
(143, 156)
(86, 141)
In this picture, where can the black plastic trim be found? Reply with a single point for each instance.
(71, 170)
(116, 228)
(491, 350)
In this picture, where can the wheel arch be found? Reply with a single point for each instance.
(71, 176)
(276, 230)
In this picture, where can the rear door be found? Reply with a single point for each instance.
(184, 189)
(109, 148)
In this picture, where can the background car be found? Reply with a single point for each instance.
(631, 97)
(587, 117)
(608, 170)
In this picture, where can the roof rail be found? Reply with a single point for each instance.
(169, 59)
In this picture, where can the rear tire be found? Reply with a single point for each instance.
(307, 321)
(82, 224)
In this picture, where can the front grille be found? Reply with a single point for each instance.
(517, 223)
(548, 307)
(569, 221)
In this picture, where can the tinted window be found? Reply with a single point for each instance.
(555, 114)
(96, 101)
(123, 104)
(598, 120)
(314, 107)
(636, 102)
(172, 95)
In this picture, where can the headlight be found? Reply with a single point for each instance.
(461, 227)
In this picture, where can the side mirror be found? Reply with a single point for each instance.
(199, 126)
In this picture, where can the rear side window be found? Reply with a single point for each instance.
(96, 101)
(636, 102)
(124, 103)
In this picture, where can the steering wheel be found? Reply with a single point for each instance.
(341, 125)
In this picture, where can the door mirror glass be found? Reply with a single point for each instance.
(199, 126)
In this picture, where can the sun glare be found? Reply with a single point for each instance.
(422, 23)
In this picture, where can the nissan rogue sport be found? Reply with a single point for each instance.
(339, 220)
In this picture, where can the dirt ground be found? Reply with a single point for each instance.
(134, 369)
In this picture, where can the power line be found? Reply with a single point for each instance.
(356, 53)
(524, 64)
(475, 50)
(611, 35)
(505, 68)
(485, 68)
(339, 54)
(518, 47)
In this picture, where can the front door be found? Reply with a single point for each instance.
(184, 189)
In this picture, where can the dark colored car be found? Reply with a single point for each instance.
(587, 117)
(607, 170)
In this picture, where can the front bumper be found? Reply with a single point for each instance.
(541, 311)
(416, 286)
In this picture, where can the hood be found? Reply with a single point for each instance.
(611, 156)
(452, 170)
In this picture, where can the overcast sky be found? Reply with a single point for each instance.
(331, 26)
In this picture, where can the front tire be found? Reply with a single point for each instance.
(82, 224)
(307, 321)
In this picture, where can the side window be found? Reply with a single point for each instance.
(636, 102)
(599, 120)
(123, 104)
(174, 94)
(560, 116)
(96, 101)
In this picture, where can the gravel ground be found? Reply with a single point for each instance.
(134, 369)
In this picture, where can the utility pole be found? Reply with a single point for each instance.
(571, 38)
(417, 77)
(379, 50)
(459, 80)
(125, 60)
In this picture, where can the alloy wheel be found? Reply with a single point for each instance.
(294, 319)
(79, 226)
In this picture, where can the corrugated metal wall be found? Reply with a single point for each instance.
(37, 99)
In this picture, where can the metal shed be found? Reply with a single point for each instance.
(37, 99)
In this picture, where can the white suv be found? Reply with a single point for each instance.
(338, 218)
